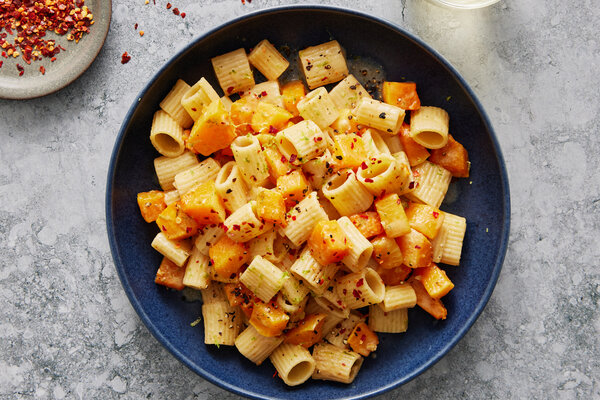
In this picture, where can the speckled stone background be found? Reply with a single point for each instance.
(67, 329)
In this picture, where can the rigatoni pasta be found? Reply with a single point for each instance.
(166, 135)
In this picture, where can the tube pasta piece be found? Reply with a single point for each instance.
(429, 127)
(265, 58)
(198, 271)
(431, 184)
(293, 363)
(399, 296)
(392, 215)
(339, 334)
(294, 290)
(243, 224)
(318, 169)
(360, 248)
(263, 245)
(347, 93)
(256, 347)
(166, 135)
(301, 142)
(302, 219)
(250, 160)
(198, 174)
(318, 277)
(318, 107)
(383, 174)
(393, 143)
(177, 251)
(263, 278)
(335, 364)
(323, 64)
(340, 310)
(329, 209)
(395, 321)
(233, 71)
(231, 187)
(210, 235)
(172, 196)
(376, 114)
(374, 143)
(213, 294)
(346, 193)
(171, 104)
(447, 245)
(221, 323)
(268, 92)
(196, 98)
(360, 289)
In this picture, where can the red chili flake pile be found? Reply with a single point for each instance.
(29, 21)
(125, 58)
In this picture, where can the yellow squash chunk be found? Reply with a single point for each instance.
(276, 163)
(393, 276)
(227, 257)
(392, 215)
(241, 114)
(349, 151)
(435, 280)
(386, 252)
(328, 243)
(368, 223)
(308, 331)
(151, 204)
(270, 206)
(269, 118)
(345, 123)
(424, 218)
(268, 319)
(175, 223)
(170, 275)
(293, 187)
(401, 94)
(415, 152)
(435, 307)
(292, 92)
(204, 204)
(453, 157)
(213, 131)
(363, 340)
(416, 249)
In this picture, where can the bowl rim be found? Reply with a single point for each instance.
(462, 83)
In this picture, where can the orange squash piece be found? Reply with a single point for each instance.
(308, 331)
(394, 276)
(241, 114)
(292, 92)
(415, 152)
(293, 187)
(345, 123)
(269, 118)
(424, 218)
(401, 94)
(368, 223)
(276, 163)
(363, 340)
(204, 204)
(175, 223)
(328, 243)
(454, 157)
(435, 280)
(435, 307)
(239, 295)
(350, 151)
(268, 319)
(227, 257)
(151, 204)
(386, 252)
(270, 206)
(213, 131)
(170, 275)
(416, 249)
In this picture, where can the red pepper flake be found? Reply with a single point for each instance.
(293, 217)
(236, 227)
(293, 158)
(360, 282)
(356, 293)
(125, 58)
(169, 6)
(283, 159)
(411, 185)
(176, 11)
(20, 69)
(368, 180)
(263, 93)
(363, 338)
(135, 26)
(42, 69)
(272, 129)
(363, 165)
(230, 89)
(1, 62)
(436, 214)
(53, 59)
(324, 79)
(182, 15)
(417, 246)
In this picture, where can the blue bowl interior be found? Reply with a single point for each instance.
(483, 199)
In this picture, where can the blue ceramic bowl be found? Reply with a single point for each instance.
(483, 199)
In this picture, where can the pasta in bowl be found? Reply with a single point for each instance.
(295, 203)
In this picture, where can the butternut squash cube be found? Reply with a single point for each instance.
(393, 276)
(416, 249)
(268, 320)
(434, 307)
(368, 223)
(435, 280)
(401, 94)
(453, 157)
(204, 204)
(213, 131)
(424, 218)
(227, 257)
(293, 187)
(175, 223)
(270, 206)
(239, 295)
(392, 215)
(269, 118)
(345, 123)
(349, 151)
(386, 252)
(415, 152)
(363, 340)
(328, 242)
(308, 331)
(151, 204)
(170, 275)
(292, 92)
(276, 163)
(241, 114)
